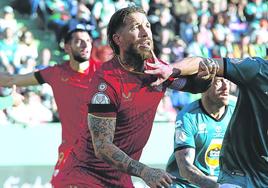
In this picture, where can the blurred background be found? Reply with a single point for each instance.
(31, 38)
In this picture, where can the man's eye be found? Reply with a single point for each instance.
(134, 27)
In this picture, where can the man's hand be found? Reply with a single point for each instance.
(161, 70)
(17, 98)
(156, 178)
(207, 68)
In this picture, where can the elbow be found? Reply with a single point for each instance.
(98, 153)
(100, 150)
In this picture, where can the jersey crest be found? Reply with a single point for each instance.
(100, 98)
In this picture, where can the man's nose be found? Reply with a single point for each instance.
(83, 44)
(144, 31)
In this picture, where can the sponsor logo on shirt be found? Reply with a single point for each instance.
(212, 154)
(218, 132)
(202, 128)
(64, 79)
(127, 97)
(100, 98)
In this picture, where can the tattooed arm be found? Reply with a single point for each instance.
(204, 68)
(102, 132)
(185, 158)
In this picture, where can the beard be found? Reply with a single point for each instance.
(77, 57)
(135, 58)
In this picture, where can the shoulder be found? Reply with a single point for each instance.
(190, 109)
(109, 70)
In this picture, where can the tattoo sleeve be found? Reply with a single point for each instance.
(102, 132)
(185, 158)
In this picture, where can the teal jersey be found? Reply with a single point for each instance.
(245, 146)
(195, 128)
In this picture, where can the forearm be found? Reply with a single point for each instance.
(185, 161)
(7, 80)
(195, 84)
(196, 177)
(120, 160)
(193, 65)
(187, 66)
(102, 133)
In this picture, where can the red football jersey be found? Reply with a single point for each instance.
(70, 89)
(134, 104)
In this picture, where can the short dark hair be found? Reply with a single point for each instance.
(117, 21)
(69, 34)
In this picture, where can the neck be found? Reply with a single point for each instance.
(213, 109)
(124, 64)
(128, 66)
(79, 67)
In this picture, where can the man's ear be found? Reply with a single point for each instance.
(66, 47)
(116, 39)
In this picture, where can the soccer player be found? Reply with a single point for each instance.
(199, 131)
(14, 99)
(122, 106)
(69, 82)
(244, 154)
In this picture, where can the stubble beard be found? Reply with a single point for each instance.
(77, 57)
(135, 58)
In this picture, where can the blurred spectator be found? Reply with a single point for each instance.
(101, 50)
(103, 10)
(45, 59)
(121, 4)
(59, 12)
(220, 29)
(33, 112)
(181, 9)
(27, 49)
(8, 50)
(163, 31)
(13, 99)
(83, 18)
(255, 10)
(6, 101)
(177, 50)
(198, 47)
(188, 28)
(7, 20)
(242, 48)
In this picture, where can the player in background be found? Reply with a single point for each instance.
(69, 81)
(199, 131)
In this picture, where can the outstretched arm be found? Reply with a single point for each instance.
(8, 80)
(102, 132)
(204, 68)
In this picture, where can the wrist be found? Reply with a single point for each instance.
(175, 74)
